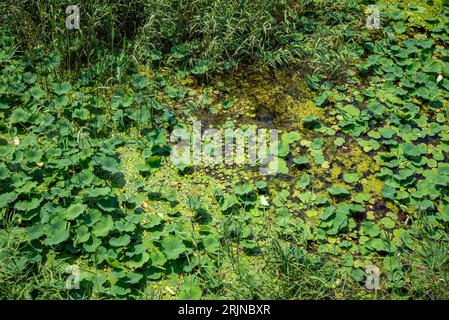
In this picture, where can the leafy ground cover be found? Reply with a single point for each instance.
(363, 175)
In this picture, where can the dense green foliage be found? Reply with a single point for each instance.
(86, 180)
(202, 36)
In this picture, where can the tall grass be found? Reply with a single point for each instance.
(200, 34)
(23, 273)
(429, 262)
(104, 24)
(288, 272)
(285, 266)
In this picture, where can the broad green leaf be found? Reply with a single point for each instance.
(411, 150)
(392, 263)
(339, 141)
(338, 191)
(278, 165)
(173, 246)
(35, 231)
(243, 189)
(351, 177)
(109, 164)
(211, 243)
(376, 108)
(371, 229)
(37, 93)
(7, 198)
(190, 290)
(82, 234)
(56, 232)
(92, 244)
(28, 205)
(103, 227)
(301, 161)
(121, 241)
(133, 277)
(74, 211)
(304, 181)
(19, 115)
(61, 88)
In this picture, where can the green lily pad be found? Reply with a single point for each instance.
(278, 165)
(351, 177)
(56, 232)
(103, 226)
(19, 115)
(74, 211)
(211, 243)
(371, 229)
(243, 189)
(301, 161)
(173, 246)
(304, 181)
(338, 191)
(121, 241)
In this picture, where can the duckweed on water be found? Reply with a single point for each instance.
(361, 180)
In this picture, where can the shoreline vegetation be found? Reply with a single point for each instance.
(354, 203)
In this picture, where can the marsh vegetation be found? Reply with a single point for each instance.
(89, 193)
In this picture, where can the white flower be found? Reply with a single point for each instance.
(16, 141)
(264, 201)
(439, 78)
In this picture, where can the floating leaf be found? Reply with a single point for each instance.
(121, 241)
(304, 181)
(56, 232)
(351, 177)
(243, 189)
(338, 191)
(211, 243)
(103, 226)
(74, 211)
(109, 164)
(19, 115)
(301, 161)
(173, 246)
(371, 229)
